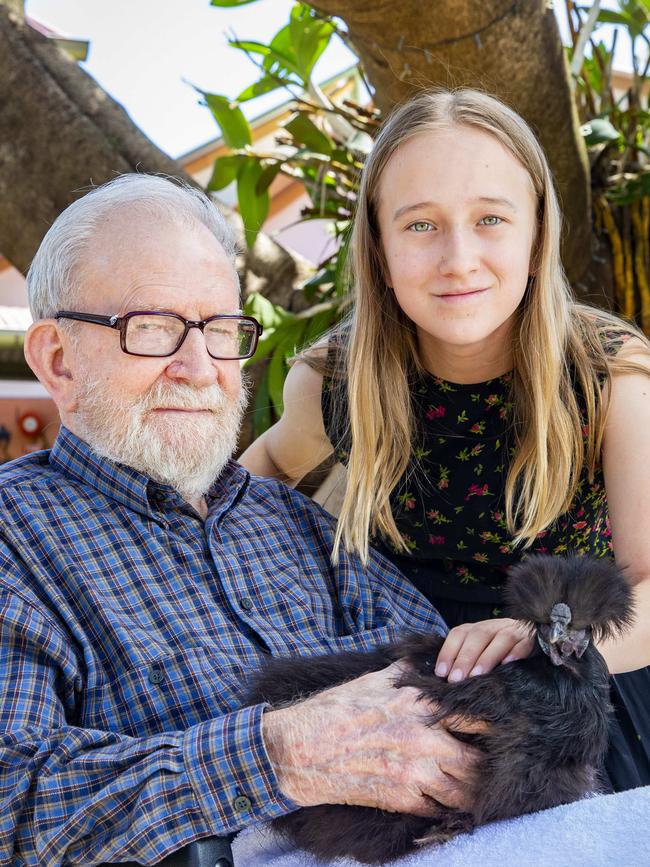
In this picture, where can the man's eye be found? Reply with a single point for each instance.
(490, 220)
(421, 226)
(149, 326)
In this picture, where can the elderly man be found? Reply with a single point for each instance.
(144, 575)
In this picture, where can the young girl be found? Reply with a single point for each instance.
(482, 413)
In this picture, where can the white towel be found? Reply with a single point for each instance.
(601, 831)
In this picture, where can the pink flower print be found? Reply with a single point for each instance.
(435, 412)
(480, 558)
(443, 483)
(579, 525)
(436, 540)
(477, 491)
(477, 428)
(504, 549)
(477, 449)
(580, 512)
(498, 516)
(585, 430)
(409, 504)
(492, 399)
(503, 412)
(541, 534)
(542, 549)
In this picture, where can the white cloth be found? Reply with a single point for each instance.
(601, 831)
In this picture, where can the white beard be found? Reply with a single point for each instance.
(186, 451)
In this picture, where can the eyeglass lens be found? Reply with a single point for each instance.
(159, 334)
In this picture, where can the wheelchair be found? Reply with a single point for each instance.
(209, 852)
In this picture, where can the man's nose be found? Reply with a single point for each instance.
(458, 253)
(192, 363)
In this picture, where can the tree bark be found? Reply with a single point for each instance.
(61, 133)
(510, 49)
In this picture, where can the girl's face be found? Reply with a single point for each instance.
(457, 216)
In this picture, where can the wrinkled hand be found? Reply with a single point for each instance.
(365, 743)
(476, 648)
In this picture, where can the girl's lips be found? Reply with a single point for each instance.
(453, 296)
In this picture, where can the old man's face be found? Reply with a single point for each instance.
(175, 418)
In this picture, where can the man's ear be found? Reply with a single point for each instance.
(46, 351)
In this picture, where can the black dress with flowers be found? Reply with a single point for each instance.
(450, 509)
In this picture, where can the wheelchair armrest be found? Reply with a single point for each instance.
(209, 852)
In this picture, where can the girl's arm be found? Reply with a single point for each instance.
(626, 465)
(297, 442)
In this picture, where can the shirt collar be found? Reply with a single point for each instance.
(134, 489)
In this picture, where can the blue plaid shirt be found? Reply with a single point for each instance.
(129, 627)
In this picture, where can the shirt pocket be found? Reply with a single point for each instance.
(169, 693)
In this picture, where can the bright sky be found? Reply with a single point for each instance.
(147, 53)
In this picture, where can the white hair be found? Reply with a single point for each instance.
(52, 280)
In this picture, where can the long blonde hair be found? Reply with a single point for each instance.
(557, 345)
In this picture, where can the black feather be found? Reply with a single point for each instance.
(547, 724)
(594, 589)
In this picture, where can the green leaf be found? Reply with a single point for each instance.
(262, 416)
(599, 130)
(230, 4)
(269, 315)
(310, 36)
(318, 324)
(225, 171)
(269, 174)
(305, 132)
(264, 85)
(635, 22)
(250, 46)
(291, 335)
(253, 207)
(234, 126)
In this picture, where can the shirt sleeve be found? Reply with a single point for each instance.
(75, 795)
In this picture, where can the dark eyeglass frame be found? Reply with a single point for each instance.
(120, 323)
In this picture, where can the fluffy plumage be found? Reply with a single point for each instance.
(547, 715)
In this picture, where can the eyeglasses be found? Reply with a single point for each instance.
(158, 335)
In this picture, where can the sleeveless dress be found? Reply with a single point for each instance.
(450, 509)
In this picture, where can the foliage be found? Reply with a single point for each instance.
(322, 144)
(616, 128)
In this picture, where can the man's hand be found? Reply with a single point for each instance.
(365, 743)
(476, 648)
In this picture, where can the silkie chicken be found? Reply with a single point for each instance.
(546, 716)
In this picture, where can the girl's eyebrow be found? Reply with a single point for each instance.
(499, 201)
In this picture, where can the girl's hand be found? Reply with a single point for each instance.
(476, 648)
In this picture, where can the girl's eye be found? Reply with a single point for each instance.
(421, 226)
(490, 220)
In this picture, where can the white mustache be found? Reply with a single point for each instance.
(164, 395)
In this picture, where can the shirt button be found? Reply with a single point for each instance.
(246, 603)
(156, 674)
(242, 804)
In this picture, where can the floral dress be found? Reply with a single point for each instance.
(450, 509)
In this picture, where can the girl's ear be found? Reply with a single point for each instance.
(45, 351)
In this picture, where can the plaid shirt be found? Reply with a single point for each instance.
(129, 627)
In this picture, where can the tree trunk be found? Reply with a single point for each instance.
(511, 49)
(61, 133)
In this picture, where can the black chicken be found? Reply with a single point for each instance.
(547, 715)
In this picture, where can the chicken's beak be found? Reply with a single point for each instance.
(556, 633)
